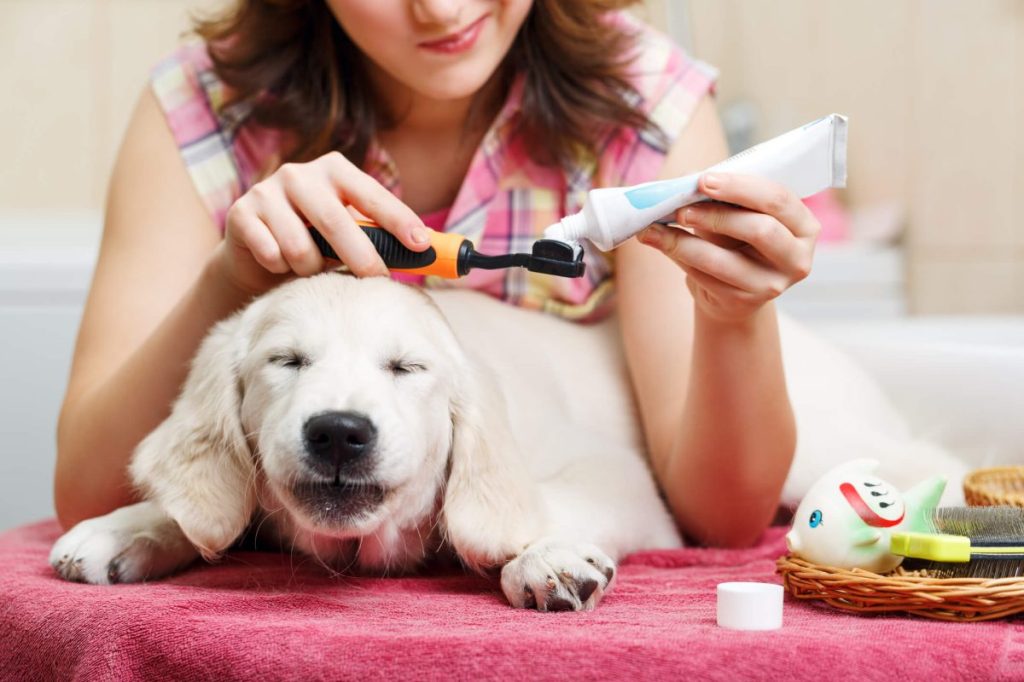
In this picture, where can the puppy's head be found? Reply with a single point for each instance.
(349, 401)
(346, 391)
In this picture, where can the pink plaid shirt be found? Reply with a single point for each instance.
(505, 201)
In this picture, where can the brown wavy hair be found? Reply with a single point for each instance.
(289, 65)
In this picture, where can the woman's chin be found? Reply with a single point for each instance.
(450, 88)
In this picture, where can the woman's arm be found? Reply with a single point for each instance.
(165, 276)
(152, 300)
(708, 373)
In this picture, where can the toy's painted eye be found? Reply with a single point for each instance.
(815, 518)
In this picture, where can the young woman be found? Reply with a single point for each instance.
(487, 117)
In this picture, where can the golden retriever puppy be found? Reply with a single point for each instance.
(343, 417)
(371, 425)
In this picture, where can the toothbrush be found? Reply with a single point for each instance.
(452, 255)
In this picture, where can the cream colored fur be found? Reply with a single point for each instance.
(516, 447)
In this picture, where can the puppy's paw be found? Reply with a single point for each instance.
(128, 545)
(552, 575)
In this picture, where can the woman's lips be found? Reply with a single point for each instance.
(456, 42)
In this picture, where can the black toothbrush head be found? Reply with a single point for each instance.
(549, 257)
(554, 257)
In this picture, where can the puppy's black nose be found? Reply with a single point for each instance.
(335, 439)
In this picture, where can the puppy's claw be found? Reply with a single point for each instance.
(114, 571)
(529, 600)
(559, 604)
(587, 589)
(69, 570)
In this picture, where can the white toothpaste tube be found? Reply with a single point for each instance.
(806, 160)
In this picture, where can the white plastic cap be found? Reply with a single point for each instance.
(750, 606)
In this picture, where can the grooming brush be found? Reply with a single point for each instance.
(968, 542)
(452, 255)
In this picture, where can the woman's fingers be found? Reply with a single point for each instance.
(715, 289)
(750, 243)
(270, 219)
(291, 234)
(762, 196)
(728, 266)
(374, 201)
(257, 238)
(320, 205)
(768, 237)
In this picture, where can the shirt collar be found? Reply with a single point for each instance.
(481, 180)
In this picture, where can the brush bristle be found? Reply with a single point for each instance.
(1001, 525)
(985, 526)
(992, 569)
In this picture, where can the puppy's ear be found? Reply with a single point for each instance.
(197, 465)
(491, 510)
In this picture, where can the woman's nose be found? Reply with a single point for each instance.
(442, 12)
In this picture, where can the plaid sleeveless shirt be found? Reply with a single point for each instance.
(505, 201)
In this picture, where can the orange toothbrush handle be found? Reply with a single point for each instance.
(444, 258)
(447, 248)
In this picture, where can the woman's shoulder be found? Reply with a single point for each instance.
(189, 91)
(224, 156)
(190, 55)
(663, 73)
(668, 84)
(659, 60)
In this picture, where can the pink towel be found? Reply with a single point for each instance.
(265, 616)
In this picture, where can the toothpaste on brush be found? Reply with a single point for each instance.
(806, 160)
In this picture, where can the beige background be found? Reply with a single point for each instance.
(935, 94)
(934, 90)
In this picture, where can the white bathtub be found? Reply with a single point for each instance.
(960, 380)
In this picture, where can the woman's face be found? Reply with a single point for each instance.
(439, 49)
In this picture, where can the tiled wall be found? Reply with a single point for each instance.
(934, 89)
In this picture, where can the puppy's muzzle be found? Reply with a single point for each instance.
(339, 442)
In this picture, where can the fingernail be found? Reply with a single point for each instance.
(689, 217)
(651, 236)
(712, 181)
(420, 235)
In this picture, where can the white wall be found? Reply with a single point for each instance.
(70, 72)
(42, 287)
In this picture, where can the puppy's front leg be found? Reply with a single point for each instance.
(128, 545)
(599, 506)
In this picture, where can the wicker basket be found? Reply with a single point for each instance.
(959, 599)
(1003, 485)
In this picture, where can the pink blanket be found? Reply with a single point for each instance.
(267, 616)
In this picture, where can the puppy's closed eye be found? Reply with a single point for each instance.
(289, 359)
(404, 366)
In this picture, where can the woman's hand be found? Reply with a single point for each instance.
(266, 237)
(754, 240)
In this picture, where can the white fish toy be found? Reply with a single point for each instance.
(848, 515)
